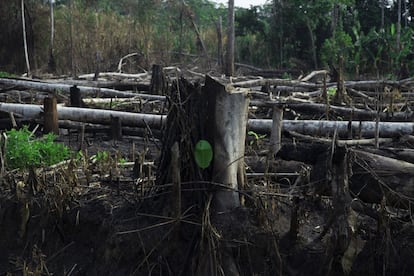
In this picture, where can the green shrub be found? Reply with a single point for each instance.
(22, 151)
(6, 75)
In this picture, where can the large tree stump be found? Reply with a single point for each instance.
(229, 127)
(216, 113)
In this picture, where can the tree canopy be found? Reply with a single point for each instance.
(281, 34)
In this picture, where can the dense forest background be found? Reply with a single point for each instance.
(375, 37)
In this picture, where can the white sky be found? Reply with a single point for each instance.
(243, 3)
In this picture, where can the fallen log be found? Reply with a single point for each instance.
(345, 112)
(352, 142)
(85, 90)
(365, 85)
(315, 127)
(116, 75)
(348, 112)
(402, 154)
(310, 127)
(89, 115)
(284, 82)
(377, 176)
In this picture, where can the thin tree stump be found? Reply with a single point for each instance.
(176, 178)
(50, 116)
(116, 128)
(158, 84)
(342, 217)
(13, 120)
(276, 133)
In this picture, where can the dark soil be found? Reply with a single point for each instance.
(108, 224)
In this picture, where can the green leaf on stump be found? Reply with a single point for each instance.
(203, 154)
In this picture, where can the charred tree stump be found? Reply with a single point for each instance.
(75, 97)
(341, 97)
(50, 116)
(176, 178)
(158, 84)
(116, 128)
(216, 113)
(342, 218)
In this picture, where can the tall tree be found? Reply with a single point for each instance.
(26, 52)
(230, 40)
(52, 63)
(399, 25)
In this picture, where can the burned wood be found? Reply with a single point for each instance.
(158, 84)
(376, 176)
(75, 97)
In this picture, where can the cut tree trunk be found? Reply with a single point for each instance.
(376, 176)
(347, 112)
(315, 127)
(230, 118)
(88, 115)
(89, 91)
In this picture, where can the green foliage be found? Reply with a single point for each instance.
(6, 75)
(101, 156)
(257, 137)
(331, 91)
(203, 154)
(340, 44)
(295, 33)
(22, 151)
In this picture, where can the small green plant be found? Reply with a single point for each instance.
(257, 137)
(286, 76)
(331, 91)
(101, 156)
(23, 151)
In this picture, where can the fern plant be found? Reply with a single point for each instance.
(23, 151)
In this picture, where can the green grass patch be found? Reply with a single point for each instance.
(6, 75)
(23, 151)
